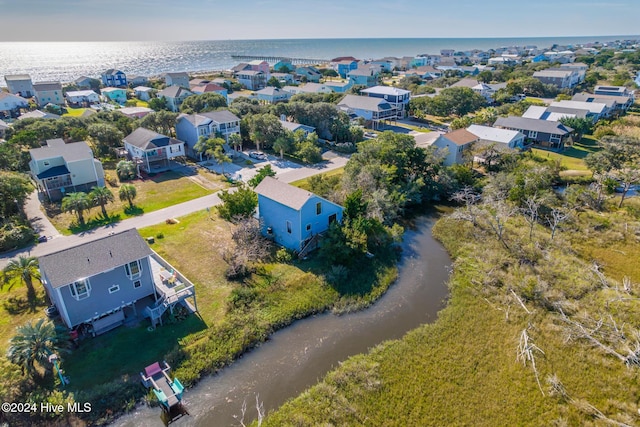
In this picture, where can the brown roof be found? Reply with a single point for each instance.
(461, 137)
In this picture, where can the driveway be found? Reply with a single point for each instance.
(286, 171)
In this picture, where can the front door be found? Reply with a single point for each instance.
(332, 218)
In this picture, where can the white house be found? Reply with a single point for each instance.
(453, 145)
(12, 103)
(144, 93)
(504, 137)
(398, 98)
(80, 97)
(595, 110)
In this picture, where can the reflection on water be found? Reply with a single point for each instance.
(298, 356)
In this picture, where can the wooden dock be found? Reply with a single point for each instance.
(275, 59)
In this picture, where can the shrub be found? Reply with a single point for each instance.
(14, 235)
(160, 235)
(111, 180)
(283, 255)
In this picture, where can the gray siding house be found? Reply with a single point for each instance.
(61, 168)
(190, 127)
(20, 84)
(546, 133)
(108, 281)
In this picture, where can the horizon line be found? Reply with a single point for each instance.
(328, 38)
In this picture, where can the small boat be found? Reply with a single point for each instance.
(167, 390)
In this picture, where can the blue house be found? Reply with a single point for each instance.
(112, 280)
(283, 65)
(293, 216)
(114, 78)
(310, 73)
(366, 76)
(540, 58)
(343, 67)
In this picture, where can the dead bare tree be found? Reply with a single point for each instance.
(525, 350)
(469, 197)
(556, 217)
(530, 212)
(497, 214)
(243, 411)
(249, 247)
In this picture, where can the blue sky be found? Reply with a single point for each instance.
(78, 20)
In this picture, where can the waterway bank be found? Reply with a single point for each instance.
(300, 355)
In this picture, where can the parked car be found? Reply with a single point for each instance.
(258, 155)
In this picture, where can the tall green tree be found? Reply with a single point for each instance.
(128, 192)
(221, 157)
(14, 190)
(34, 342)
(265, 129)
(238, 204)
(202, 103)
(208, 146)
(263, 172)
(236, 141)
(24, 269)
(105, 136)
(283, 144)
(77, 203)
(100, 196)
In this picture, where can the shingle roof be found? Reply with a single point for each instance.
(553, 73)
(609, 100)
(466, 83)
(37, 114)
(174, 92)
(295, 126)
(221, 116)
(71, 152)
(92, 258)
(461, 137)
(544, 126)
(593, 107)
(365, 103)
(283, 193)
(4, 95)
(179, 74)
(148, 139)
(81, 93)
(38, 87)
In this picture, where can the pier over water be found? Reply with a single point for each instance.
(275, 59)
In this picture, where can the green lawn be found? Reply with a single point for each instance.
(572, 158)
(304, 183)
(75, 112)
(154, 193)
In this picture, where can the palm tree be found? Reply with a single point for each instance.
(236, 141)
(128, 192)
(24, 268)
(100, 196)
(126, 170)
(77, 202)
(282, 144)
(35, 342)
(221, 157)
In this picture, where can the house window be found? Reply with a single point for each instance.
(137, 284)
(289, 227)
(45, 163)
(308, 227)
(333, 218)
(554, 138)
(318, 208)
(114, 289)
(533, 134)
(80, 289)
(133, 269)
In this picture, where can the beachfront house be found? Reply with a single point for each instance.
(398, 98)
(20, 84)
(115, 94)
(545, 133)
(454, 144)
(174, 95)
(81, 98)
(61, 168)
(283, 66)
(252, 79)
(48, 93)
(190, 127)
(114, 78)
(371, 110)
(112, 280)
(291, 216)
(153, 152)
(11, 104)
(84, 82)
(177, 79)
(136, 80)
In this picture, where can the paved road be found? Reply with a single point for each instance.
(59, 242)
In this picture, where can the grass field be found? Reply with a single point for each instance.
(157, 192)
(464, 368)
(75, 112)
(572, 158)
(304, 183)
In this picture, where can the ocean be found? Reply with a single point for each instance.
(66, 61)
